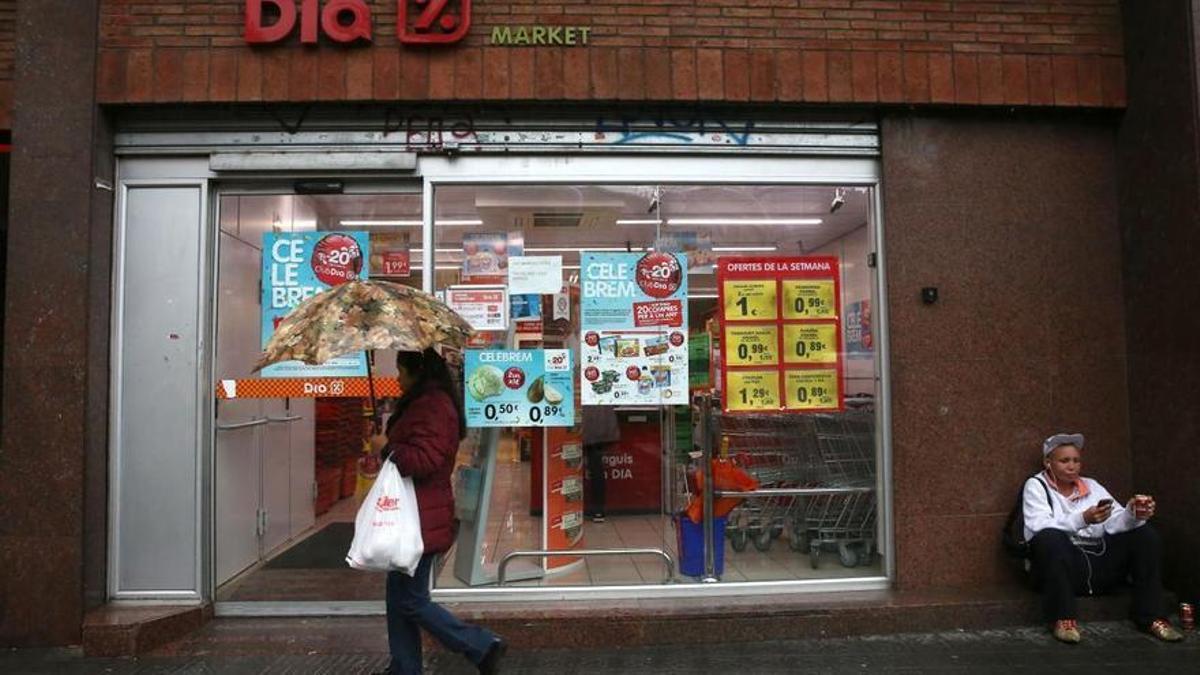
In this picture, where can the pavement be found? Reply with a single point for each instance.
(1108, 647)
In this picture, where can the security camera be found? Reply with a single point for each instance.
(839, 200)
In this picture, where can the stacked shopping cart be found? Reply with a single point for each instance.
(816, 477)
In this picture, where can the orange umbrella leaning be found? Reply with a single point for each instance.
(362, 316)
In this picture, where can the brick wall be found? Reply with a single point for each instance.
(1017, 52)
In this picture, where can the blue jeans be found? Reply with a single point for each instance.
(409, 609)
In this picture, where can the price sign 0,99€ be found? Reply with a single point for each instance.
(781, 330)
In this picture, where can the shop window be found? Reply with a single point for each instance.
(623, 474)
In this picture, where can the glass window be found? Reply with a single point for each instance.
(624, 476)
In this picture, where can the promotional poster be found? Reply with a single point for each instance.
(633, 328)
(297, 266)
(484, 307)
(518, 388)
(781, 338)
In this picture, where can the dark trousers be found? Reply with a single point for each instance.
(595, 468)
(1062, 571)
(409, 609)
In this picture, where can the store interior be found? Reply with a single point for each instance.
(287, 490)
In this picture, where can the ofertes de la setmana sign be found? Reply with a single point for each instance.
(781, 334)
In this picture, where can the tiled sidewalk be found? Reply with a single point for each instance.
(1108, 647)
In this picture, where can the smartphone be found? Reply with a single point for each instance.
(1104, 503)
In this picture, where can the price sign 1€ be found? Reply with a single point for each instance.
(752, 345)
(753, 390)
(809, 299)
(812, 389)
(752, 300)
(810, 343)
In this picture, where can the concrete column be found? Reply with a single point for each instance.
(53, 466)
(1160, 221)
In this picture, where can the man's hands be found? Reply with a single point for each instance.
(1142, 506)
(1097, 514)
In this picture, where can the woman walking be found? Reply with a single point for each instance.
(422, 440)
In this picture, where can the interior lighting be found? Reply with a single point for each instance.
(745, 249)
(408, 223)
(744, 221)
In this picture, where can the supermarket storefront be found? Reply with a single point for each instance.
(980, 183)
(269, 494)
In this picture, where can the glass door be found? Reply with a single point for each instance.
(514, 258)
(289, 439)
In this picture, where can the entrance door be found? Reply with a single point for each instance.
(289, 438)
(240, 422)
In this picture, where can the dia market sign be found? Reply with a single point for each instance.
(420, 22)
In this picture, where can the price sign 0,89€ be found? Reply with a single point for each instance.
(781, 327)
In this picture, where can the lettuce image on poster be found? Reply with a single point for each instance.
(487, 381)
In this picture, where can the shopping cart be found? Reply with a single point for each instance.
(844, 518)
(779, 452)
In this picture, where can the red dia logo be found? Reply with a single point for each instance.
(386, 503)
(430, 22)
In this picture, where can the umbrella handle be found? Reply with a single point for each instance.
(375, 426)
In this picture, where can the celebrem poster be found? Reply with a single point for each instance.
(297, 266)
(633, 328)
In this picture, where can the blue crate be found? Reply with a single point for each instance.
(689, 540)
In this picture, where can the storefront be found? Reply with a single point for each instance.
(979, 173)
(270, 494)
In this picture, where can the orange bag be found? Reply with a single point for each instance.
(726, 476)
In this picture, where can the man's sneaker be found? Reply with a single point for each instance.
(1066, 630)
(1164, 631)
(597, 517)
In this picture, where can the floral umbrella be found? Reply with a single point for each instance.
(363, 315)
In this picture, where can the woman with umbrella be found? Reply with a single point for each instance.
(421, 437)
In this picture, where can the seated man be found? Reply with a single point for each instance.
(1082, 541)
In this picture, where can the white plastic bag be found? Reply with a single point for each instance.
(387, 530)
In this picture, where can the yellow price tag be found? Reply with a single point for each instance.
(812, 389)
(752, 300)
(809, 299)
(752, 390)
(810, 343)
(752, 345)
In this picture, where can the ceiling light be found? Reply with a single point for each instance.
(636, 221)
(745, 249)
(744, 221)
(408, 223)
(554, 249)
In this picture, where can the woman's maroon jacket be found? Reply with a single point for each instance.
(423, 443)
